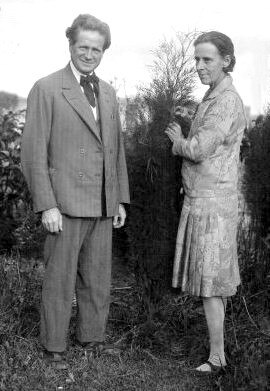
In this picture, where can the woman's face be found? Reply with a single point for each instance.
(210, 64)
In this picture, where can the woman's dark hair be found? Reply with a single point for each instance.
(222, 42)
(88, 22)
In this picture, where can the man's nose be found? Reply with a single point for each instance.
(88, 54)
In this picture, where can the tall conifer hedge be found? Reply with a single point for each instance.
(154, 173)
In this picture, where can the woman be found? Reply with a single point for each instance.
(206, 250)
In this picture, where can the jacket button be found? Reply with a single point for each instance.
(80, 174)
(82, 151)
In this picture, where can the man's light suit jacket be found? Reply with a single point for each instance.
(64, 151)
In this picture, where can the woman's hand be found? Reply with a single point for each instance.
(174, 132)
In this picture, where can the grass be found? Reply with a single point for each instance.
(132, 370)
(157, 355)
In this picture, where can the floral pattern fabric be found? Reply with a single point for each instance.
(205, 261)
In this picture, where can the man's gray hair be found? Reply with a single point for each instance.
(88, 22)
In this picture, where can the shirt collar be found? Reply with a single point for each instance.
(225, 84)
(76, 73)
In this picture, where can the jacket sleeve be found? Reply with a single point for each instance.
(215, 127)
(34, 149)
(122, 175)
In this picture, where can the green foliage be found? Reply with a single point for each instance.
(19, 227)
(248, 322)
(257, 184)
(29, 235)
(155, 178)
(12, 186)
(153, 218)
(249, 344)
(13, 190)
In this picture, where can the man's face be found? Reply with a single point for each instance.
(86, 53)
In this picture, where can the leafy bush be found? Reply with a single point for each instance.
(249, 344)
(154, 213)
(19, 227)
(13, 191)
(155, 178)
(256, 186)
(256, 181)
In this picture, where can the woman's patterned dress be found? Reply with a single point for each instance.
(206, 249)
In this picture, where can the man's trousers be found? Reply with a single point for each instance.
(77, 260)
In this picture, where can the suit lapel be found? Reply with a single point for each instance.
(76, 98)
(105, 110)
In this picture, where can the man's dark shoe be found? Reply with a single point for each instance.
(96, 349)
(56, 360)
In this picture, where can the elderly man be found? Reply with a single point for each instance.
(74, 163)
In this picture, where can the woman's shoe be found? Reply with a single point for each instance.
(212, 369)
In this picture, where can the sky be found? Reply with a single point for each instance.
(33, 42)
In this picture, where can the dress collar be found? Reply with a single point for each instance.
(225, 84)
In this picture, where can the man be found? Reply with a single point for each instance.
(74, 163)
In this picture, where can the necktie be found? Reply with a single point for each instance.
(86, 82)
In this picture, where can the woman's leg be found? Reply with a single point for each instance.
(214, 309)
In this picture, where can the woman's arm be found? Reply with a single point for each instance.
(215, 127)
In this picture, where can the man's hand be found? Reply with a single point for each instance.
(174, 132)
(52, 220)
(119, 220)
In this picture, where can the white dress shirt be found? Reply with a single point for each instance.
(78, 75)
